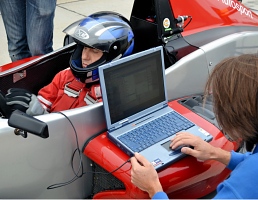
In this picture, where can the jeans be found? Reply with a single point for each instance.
(29, 26)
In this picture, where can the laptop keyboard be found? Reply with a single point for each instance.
(167, 125)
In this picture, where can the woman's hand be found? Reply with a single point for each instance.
(144, 176)
(199, 148)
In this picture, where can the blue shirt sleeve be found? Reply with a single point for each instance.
(226, 191)
(236, 158)
(160, 195)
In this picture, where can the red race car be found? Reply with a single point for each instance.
(195, 35)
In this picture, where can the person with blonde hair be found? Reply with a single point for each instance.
(233, 85)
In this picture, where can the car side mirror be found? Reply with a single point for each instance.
(24, 124)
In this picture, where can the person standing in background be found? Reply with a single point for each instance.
(29, 26)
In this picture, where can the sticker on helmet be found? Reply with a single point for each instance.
(166, 23)
(81, 34)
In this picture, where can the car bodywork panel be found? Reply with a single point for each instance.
(218, 29)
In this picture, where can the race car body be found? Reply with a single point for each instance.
(48, 163)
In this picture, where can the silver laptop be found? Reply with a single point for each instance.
(136, 108)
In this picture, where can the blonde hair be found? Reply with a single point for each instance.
(234, 86)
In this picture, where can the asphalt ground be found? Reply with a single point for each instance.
(69, 11)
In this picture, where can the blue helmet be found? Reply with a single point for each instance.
(107, 31)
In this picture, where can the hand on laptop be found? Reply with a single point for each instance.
(144, 176)
(200, 149)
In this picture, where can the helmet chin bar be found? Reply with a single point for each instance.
(83, 73)
(89, 78)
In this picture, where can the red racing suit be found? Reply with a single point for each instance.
(66, 92)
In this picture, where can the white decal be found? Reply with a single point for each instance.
(156, 162)
(166, 23)
(81, 34)
(235, 5)
(204, 132)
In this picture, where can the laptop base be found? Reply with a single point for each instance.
(184, 178)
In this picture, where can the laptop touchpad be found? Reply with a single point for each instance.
(166, 145)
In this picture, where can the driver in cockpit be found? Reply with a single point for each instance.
(101, 37)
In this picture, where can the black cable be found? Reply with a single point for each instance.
(57, 185)
(76, 174)
(188, 22)
(111, 171)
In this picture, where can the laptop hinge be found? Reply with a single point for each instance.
(111, 129)
(122, 123)
(115, 128)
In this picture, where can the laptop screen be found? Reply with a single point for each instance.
(134, 85)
